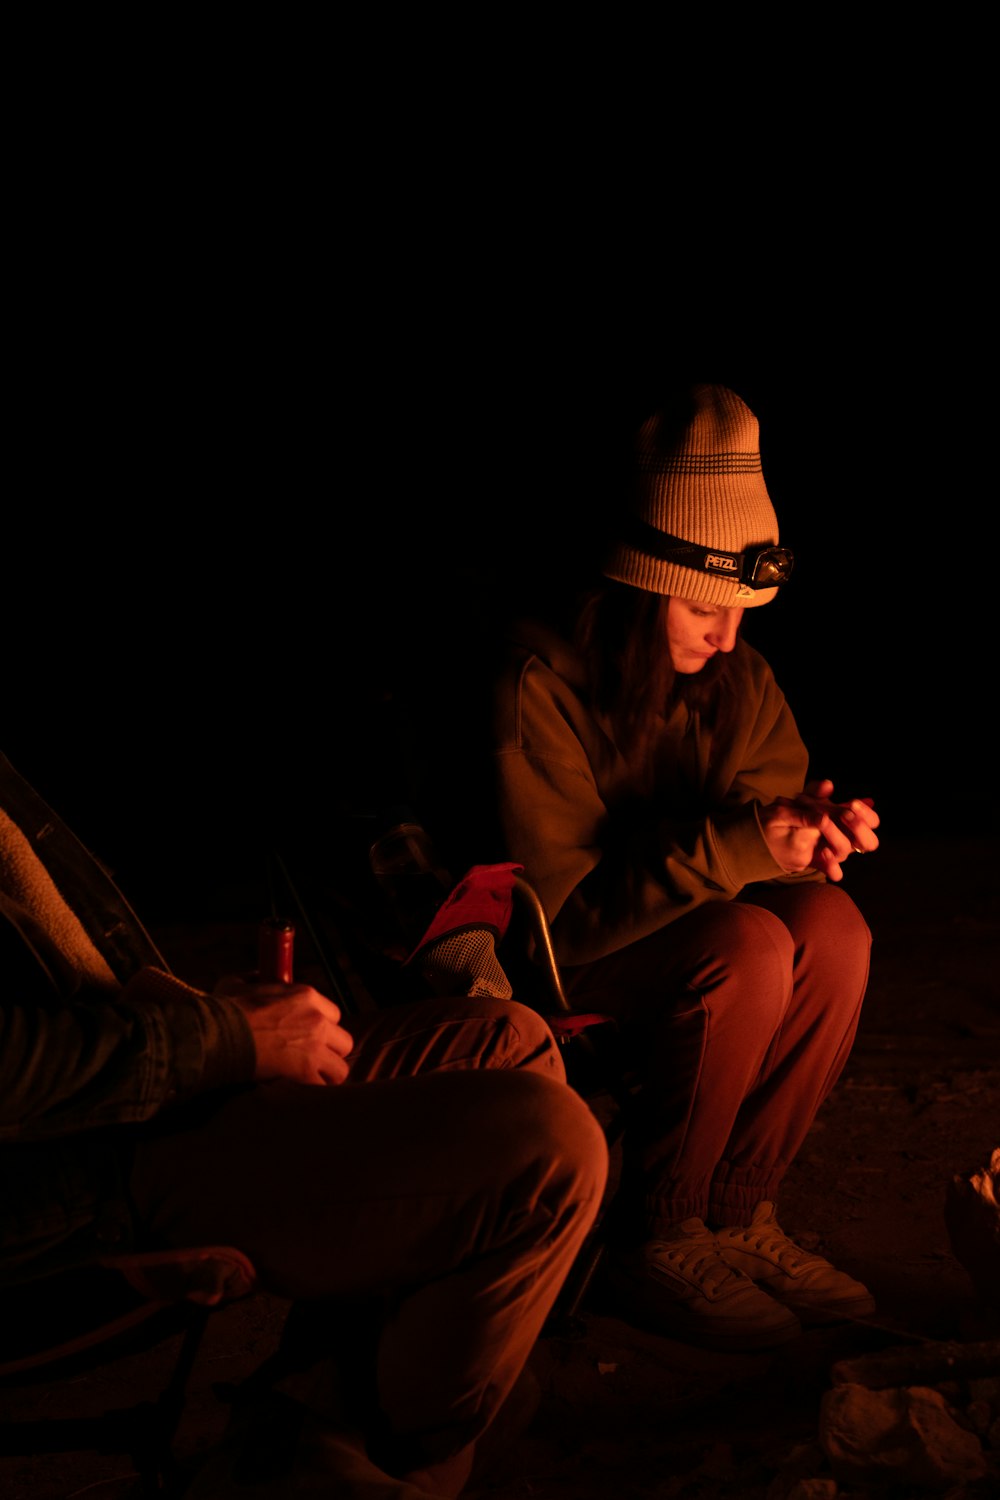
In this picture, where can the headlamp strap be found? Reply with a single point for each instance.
(714, 560)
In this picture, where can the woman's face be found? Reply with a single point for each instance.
(695, 632)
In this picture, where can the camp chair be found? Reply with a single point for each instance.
(490, 935)
(67, 1325)
(408, 930)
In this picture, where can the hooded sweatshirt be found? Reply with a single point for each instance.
(612, 861)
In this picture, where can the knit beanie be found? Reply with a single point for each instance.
(698, 481)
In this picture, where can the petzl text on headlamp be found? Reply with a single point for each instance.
(762, 566)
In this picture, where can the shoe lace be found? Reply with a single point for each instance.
(699, 1261)
(775, 1242)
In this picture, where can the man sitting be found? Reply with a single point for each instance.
(431, 1163)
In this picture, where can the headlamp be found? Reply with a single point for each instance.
(759, 566)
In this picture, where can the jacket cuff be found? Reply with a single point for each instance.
(743, 847)
(211, 1044)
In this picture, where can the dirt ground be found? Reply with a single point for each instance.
(622, 1415)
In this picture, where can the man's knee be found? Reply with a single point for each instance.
(464, 1032)
(508, 1034)
(540, 1124)
(532, 1043)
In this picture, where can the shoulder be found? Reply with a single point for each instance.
(761, 710)
(753, 673)
(765, 725)
(540, 688)
(534, 641)
(534, 654)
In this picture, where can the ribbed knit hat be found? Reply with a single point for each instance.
(699, 483)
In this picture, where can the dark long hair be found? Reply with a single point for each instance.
(620, 633)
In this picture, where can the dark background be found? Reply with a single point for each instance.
(220, 578)
(292, 413)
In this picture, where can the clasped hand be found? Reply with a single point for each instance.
(811, 831)
(296, 1031)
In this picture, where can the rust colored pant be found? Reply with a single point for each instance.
(450, 1183)
(737, 1019)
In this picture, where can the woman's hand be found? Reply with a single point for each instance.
(811, 831)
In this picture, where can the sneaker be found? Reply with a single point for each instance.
(681, 1286)
(816, 1291)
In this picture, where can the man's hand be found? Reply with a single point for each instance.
(812, 831)
(296, 1031)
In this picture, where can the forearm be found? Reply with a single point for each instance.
(608, 878)
(606, 881)
(115, 1059)
(644, 883)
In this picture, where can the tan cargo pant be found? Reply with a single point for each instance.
(450, 1183)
